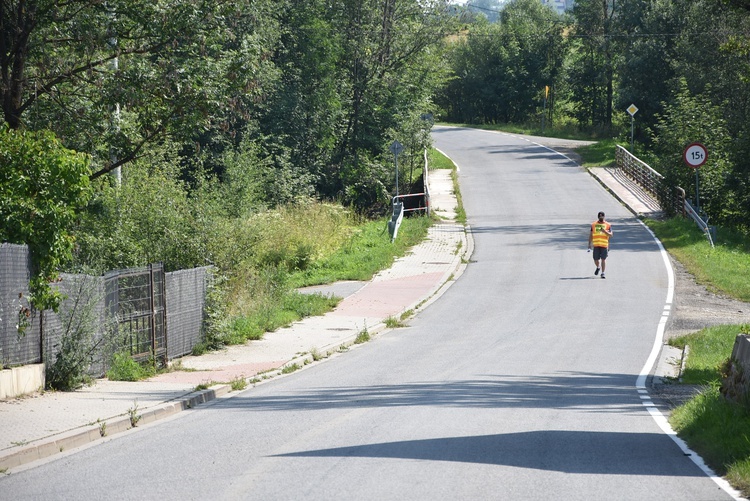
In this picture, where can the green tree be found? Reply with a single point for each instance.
(501, 70)
(647, 70)
(593, 68)
(173, 69)
(43, 189)
(693, 118)
(304, 116)
(149, 218)
(384, 67)
(487, 8)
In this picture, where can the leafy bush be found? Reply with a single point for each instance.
(148, 219)
(42, 189)
(243, 329)
(77, 346)
(124, 368)
(693, 118)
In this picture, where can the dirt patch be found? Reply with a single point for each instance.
(694, 308)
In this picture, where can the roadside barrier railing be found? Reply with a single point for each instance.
(709, 231)
(652, 182)
(399, 206)
(640, 172)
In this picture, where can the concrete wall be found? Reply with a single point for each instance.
(21, 380)
(736, 383)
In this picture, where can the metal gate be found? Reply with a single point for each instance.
(135, 300)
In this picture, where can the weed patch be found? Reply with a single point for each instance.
(133, 415)
(124, 368)
(362, 337)
(238, 384)
(393, 323)
(288, 369)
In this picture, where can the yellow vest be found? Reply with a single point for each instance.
(600, 239)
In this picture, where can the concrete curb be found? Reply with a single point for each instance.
(13, 458)
(57, 444)
(380, 327)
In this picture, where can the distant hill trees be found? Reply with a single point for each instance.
(595, 61)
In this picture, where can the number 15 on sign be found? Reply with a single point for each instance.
(695, 155)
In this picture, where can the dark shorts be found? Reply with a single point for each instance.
(600, 253)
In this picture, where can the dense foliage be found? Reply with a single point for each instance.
(44, 185)
(210, 113)
(192, 132)
(307, 94)
(683, 63)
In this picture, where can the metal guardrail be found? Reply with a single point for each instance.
(426, 179)
(400, 199)
(651, 182)
(640, 172)
(399, 207)
(396, 217)
(709, 231)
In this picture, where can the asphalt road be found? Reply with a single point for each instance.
(518, 383)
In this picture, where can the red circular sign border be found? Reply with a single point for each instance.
(684, 154)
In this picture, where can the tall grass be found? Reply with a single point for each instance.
(718, 429)
(297, 246)
(366, 252)
(723, 269)
(709, 349)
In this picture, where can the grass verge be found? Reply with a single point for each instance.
(723, 269)
(709, 349)
(717, 429)
(367, 252)
(600, 154)
(439, 161)
(720, 432)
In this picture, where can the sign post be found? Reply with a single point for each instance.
(396, 148)
(695, 155)
(632, 109)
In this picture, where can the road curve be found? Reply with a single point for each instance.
(518, 383)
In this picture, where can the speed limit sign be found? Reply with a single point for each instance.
(695, 155)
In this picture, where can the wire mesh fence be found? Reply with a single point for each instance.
(19, 342)
(143, 312)
(135, 298)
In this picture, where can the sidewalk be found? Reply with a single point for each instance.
(630, 194)
(41, 425)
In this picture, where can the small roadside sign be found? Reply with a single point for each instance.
(695, 155)
(396, 148)
(632, 109)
